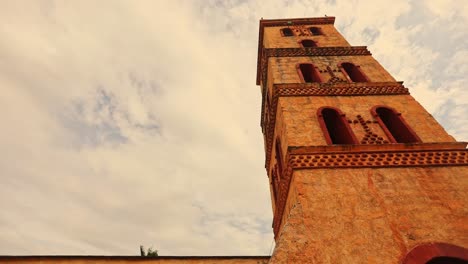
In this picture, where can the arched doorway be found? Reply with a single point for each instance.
(446, 260)
(436, 253)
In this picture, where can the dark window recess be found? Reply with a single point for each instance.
(437, 253)
(396, 126)
(446, 260)
(279, 156)
(336, 127)
(354, 72)
(275, 182)
(315, 31)
(309, 73)
(287, 32)
(307, 43)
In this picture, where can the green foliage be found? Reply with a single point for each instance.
(150, 253)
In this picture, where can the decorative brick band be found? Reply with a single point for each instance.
(379, 159)
(370, 159)
(343, 89)
(316, 51)
(322, 89)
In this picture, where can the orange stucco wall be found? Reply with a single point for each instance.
(370, 215)
(360, 214)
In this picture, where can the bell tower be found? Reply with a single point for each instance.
(359, 171)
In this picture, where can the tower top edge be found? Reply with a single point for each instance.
(296, 21)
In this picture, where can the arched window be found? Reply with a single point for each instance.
(436, 253)
(287, 32)
(309, 73)
(394, 125)
(279, 156)
(353, 72)
(315, 31)
(308, 43)
(277, 169)
(275, 182)
(335, 126)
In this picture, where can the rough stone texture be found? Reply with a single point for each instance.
(372, 215)
(133, 260)
(297, 117)
(297, 121)
(354, 215)
(330, 38)
(284, 69)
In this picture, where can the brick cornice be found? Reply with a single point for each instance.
(337, 157)
(342, 89)
(296, 21)
(316, 51)
(320, 89)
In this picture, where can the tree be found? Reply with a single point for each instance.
(150, 253)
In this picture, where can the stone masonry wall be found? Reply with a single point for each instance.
(285, 68)
(370, 215)
(298, 117)
(330, 38)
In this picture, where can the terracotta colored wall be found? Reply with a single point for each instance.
(298, 117)
(330, 38)
(284, 68)
(111, 260)
(297, 121)
(358, 215)
(373, 215)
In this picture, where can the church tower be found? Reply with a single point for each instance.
(359, 171)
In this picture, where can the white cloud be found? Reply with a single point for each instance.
(128, 123)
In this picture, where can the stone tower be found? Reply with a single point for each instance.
(359, 171)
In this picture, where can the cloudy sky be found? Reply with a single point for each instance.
(137, 122)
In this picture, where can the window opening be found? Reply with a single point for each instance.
(279, 156)
(315, 31)
(394, 126)
(336, 128)
(287, 32)
(275, 181)
(353, 72)
(308, 43)
(436, 253)
(309, 73)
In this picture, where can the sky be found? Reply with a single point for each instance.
(128, 123)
